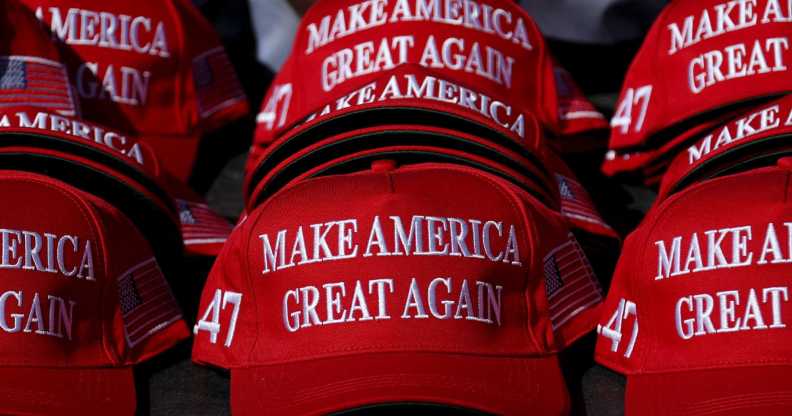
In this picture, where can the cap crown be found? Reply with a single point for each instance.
(702, 283)
(423, 258)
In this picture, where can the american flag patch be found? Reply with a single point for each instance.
(201, 225)
(576, 202)
(34, 81)
(215, 81)
(570, 284)
(147, 303)
(572, 104)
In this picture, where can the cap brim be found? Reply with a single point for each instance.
(498, 385)
(69, 391)
(765, 391)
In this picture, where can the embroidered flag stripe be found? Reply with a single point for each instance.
(147, 303)
(575, 201)
(571, 105)
(35, 81)
(201, 226)
(570, 283)
(216, 82)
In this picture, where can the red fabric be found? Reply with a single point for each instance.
(348, 382)
(114, 154)
(305, 142)
(763, 391)
(85, 329)
(68, 391)
(503, 121)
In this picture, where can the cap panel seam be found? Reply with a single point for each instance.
(519, 209)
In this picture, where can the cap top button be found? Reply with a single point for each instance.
(383, 165)
(785, 162)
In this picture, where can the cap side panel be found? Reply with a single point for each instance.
(226, 327)
(146, 318)
(619, 345)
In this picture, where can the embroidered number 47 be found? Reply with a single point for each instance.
(279, 100)
(613, 330)
(211, 318)
(633, 97)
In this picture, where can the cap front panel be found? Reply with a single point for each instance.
(364, 280)
(418, 259)
(54, 276)
(717, 274)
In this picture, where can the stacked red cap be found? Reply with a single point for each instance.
(120, 169)
(756, 137)
(697, 314)
(481, 70)
(152, 69)
(489, 51)
(429, 283)
(701, 63)
(83, 300)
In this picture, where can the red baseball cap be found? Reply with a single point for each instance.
(697, 313)
(83, 300)
(761, 133)
(483, 335)
(113, 155)
(492, 46)
(154, 69)
(31, 69)
(713, 56)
